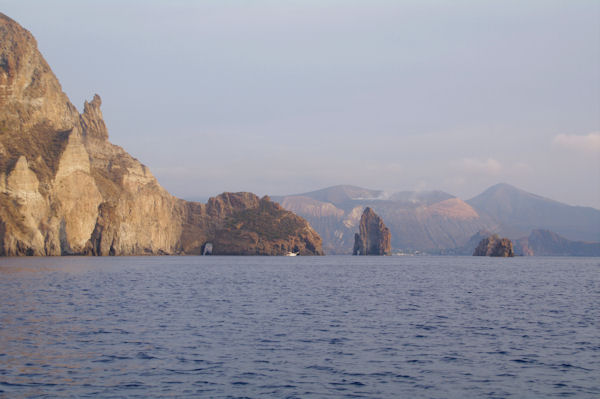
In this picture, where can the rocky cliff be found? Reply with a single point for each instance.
(373, 237)
(495, 246)
(65, 189)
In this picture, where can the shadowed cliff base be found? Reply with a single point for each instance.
(66, 190)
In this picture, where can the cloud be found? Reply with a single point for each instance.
(589, 143)
(489, 166)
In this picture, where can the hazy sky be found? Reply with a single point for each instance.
(281, 97)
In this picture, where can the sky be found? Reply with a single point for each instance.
(282, 97)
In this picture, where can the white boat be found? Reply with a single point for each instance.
(292, 254)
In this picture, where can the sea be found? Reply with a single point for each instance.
(299, 327)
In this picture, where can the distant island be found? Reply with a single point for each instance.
(66, 190)
(439, 223)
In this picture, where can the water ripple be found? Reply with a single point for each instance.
(329, 327)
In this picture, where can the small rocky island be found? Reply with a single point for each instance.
(374, 238)
(495, 246)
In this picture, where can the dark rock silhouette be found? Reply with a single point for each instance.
(495, 246)
(374, 237)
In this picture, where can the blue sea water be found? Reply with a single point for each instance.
(303, 327)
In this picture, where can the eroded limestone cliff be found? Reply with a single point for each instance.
(374, 237)
(65, 189)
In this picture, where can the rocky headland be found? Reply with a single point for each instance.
(65, 189)
(374, 238)
(495, 246)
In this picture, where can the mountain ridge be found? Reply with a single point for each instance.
(418, 220)
(518, 212)
(438, 222)
(548, 243)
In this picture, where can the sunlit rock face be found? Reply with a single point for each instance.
(65, 189)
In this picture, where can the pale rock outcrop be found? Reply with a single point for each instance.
(22, 185)
(453, 208)
(299, 204)
(352, 219)
(77, 196)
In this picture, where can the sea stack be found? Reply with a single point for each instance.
(374, 238)
(495, 246)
